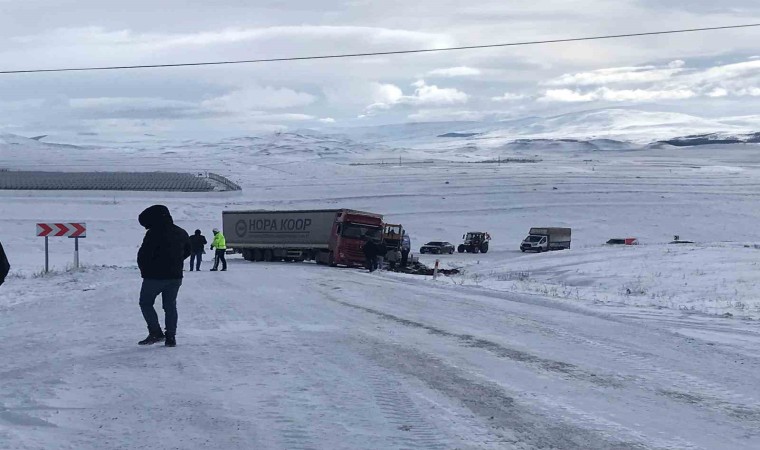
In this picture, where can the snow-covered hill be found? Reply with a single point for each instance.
(595, 347)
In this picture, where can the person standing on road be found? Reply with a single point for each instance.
(370, 254)
(161, 259)
(406, 247)
(220, 244)
(198, 247)
(5, 266)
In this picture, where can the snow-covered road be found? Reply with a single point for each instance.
(272, 357)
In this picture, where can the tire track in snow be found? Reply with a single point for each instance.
(547, 365)
(493, 405)
(678, 386)
(414, 430)
(648, 373)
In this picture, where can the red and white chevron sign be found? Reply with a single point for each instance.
(62, 230)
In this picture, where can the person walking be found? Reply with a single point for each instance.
(5, 266)
(198, 248)
(219, 245)
(161, 259)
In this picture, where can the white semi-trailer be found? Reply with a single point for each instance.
(333, 236)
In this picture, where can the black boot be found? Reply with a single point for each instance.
(170, 341)
(152, 339)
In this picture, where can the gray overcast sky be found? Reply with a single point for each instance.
(713, 73)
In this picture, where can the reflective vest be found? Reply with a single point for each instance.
(219, 242)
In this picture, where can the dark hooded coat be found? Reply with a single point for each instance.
(198, 242)
(165, 246)
(5, 267)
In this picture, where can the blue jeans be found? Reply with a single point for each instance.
(195, 260)
(148, 293)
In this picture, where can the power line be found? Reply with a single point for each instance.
(392, 52)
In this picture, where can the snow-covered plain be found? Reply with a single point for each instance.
(653, 346)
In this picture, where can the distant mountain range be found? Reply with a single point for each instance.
(597, 130)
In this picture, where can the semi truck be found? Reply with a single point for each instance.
(327, 236)
(546, 238)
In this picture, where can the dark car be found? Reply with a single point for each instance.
(437, 248)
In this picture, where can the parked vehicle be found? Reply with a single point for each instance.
(623, 241)
(544, 239)
(333, 237)
(437, 248)
(475, 242)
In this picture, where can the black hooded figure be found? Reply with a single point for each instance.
(161, 260)
(197, 245)
(5, 267)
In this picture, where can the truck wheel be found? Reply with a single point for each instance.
(522, 250)
(539, 250)
(461, 248)
(484, 248)
(476, 249)
(331, 260)
(268, 256)
(258, 255)
(451, 251)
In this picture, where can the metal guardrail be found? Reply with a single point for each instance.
(114, 181)
(225, 181)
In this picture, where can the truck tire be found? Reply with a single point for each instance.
(268, 255)
(247, 254)
(258, 255)
(484, 248)
(461, 248)
(331, 260)
(539, 250)
(451, 251)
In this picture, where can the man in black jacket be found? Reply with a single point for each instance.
(370, 254)
(161, 260)
(197, 246)
(5, 267)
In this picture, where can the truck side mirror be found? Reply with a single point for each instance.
(464, 236)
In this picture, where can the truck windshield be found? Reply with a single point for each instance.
(533, 238)
(356, 231)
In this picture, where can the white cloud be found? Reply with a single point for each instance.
(566, 96)
(433, 95)
(615, 95)
(508, 97)
(284, 117)
(327, 120)
(460, 71)
(387, 96)
(93, 36)
(717, 92)
(641, 74)
(257, 98)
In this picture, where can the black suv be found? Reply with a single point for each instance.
(437, 248)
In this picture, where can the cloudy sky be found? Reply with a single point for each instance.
(709, 74)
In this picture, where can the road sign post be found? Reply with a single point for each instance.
(70, 230)
(76, 252)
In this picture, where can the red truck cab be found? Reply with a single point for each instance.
(350, 231)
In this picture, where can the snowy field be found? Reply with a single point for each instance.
(653, 346)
